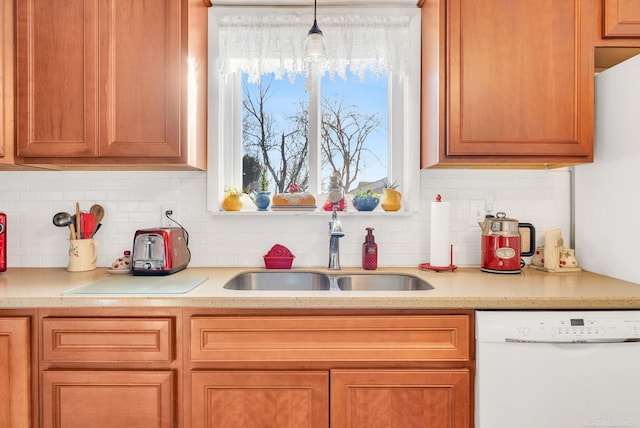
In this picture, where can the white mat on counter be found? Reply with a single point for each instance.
(129, 284)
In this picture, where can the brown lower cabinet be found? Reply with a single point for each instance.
(110, 367)
(86, 399)
(15, 371)
(319, 370)
(400, 398)
(248, 399)
(223, 368)
(377, 398)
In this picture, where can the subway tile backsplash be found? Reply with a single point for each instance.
(135, 200)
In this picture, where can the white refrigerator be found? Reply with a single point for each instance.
(607, 192)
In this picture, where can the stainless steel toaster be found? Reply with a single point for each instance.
(160, 251)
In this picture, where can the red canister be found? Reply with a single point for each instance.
(3, 242)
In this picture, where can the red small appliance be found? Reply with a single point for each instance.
(3, 242)
(502, 246)
(160, 251)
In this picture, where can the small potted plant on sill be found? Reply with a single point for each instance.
(365, 200)
(232, 199)
(391, 197)
(263, 197)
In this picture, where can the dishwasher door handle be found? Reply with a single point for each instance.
(574, 342)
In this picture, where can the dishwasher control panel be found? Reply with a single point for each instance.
(561, 326)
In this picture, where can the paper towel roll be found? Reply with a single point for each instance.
(440, 231)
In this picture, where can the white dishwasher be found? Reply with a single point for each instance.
(557, 369)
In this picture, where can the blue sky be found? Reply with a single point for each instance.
(370, 96)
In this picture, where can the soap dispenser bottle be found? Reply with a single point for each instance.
(369, 251)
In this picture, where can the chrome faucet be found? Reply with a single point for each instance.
(335, 233)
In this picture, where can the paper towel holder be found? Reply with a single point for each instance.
(450, 268)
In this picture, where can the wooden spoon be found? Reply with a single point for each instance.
(78, 230)
(98, 212)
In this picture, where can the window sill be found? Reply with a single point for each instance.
(316, 213)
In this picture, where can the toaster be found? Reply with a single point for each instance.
(160, 251)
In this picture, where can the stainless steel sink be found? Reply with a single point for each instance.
(279, 281)
(300, 281)
(382, 282)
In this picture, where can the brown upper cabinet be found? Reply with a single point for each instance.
(6, 83)
(621, 18)
(112, 83)
(507, 83)
(613, 26)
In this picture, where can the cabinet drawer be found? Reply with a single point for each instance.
(331, 338)
(107, 339)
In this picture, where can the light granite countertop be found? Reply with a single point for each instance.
(464, 288)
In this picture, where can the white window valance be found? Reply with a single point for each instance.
(258, 45)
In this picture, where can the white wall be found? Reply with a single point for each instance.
(135, 200)
(606, 197)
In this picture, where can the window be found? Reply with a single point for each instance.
(353, 123)
(357, 114)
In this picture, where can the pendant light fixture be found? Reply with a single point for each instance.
(314, 47)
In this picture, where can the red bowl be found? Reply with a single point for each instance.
(274, 262)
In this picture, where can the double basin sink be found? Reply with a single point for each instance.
(316, 281)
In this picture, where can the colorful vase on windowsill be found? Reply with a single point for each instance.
(335, 194)
(232, 200)
(391, 199)
(262, 200)
(366, 200)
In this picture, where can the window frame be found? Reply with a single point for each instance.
(225, 121)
